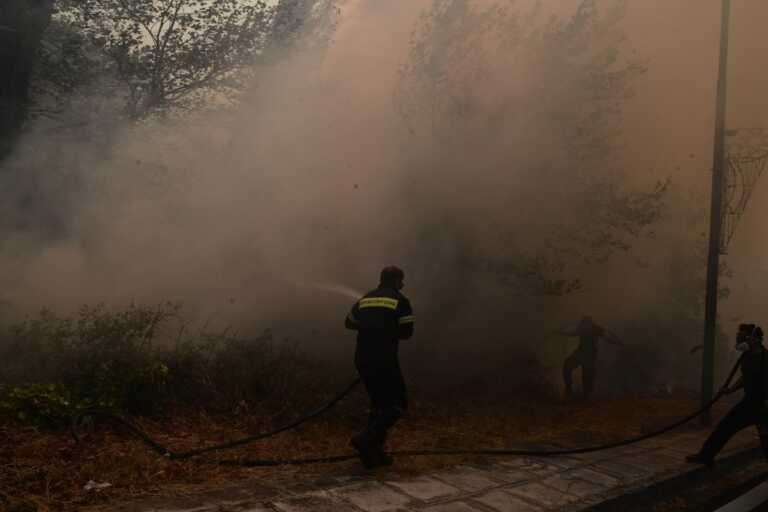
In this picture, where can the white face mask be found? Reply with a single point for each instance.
(742, 347)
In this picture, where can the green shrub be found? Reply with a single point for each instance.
(41, 405)
(128, 360)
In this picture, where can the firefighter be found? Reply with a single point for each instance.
(585, 355)
(381, 318)
(751, 410)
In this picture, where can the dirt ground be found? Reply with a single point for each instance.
(49, 471)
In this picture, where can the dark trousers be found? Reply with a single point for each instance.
(587, 362)
(386, 389)
(744, 414)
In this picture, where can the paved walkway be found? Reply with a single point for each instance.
(526, 484)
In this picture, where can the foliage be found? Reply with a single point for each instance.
(41, 405)
(100, 357)
(66, 63)
(170, 55)
(543, 98)
(126, 360)
(166, 50)
(303, 25)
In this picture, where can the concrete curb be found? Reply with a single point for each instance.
(669, 483)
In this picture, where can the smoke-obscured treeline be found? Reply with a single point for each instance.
(229, 155)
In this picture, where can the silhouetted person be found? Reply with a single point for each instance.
(381, 318)
(585, 355)
(751, 410)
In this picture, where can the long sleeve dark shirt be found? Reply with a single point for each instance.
(381, 318)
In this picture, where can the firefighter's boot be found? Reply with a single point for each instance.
(365, 450)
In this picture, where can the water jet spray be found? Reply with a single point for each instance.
(338, 289)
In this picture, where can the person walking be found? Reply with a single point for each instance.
(381, 318)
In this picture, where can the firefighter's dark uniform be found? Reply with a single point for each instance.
(751, 410)
(585, 356)
(381, 318)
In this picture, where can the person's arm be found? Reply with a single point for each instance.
(352, 321)
(611, 338)
(405, 319)
(735, 387)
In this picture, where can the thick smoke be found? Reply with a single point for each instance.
(478, 154)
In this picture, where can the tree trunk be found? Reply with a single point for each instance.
(22, 23)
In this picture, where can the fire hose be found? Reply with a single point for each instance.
(171, 455)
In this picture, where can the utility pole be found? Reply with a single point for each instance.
(715, 220)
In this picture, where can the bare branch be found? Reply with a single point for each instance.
(160, 60)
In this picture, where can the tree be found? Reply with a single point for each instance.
(541, 98)
(168, 52)
(303, 24)
(172, 54)
(22, 23)
(66, 64)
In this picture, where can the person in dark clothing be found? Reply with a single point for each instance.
(381, 318)
(751, 410)
(585, 355)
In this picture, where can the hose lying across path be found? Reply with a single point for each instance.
(165, 452)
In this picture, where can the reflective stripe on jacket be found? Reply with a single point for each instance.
(381, 318)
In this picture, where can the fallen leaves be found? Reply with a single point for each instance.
(50, 471)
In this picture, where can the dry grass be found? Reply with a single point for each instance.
(47, 470)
